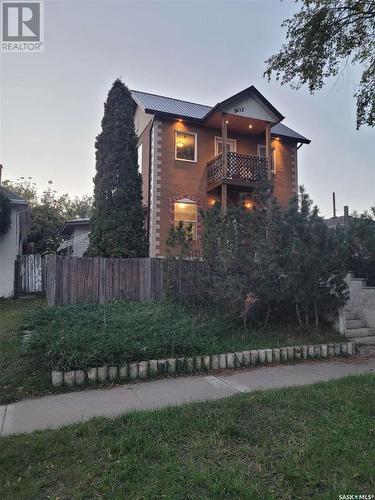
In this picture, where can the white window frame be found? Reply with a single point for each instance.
(140, 158)
(193, 222)
(273, 159)
(195, 142)
(219, 139)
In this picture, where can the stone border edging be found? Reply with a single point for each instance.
(174, 366)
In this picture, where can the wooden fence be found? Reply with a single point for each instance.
(29, 274)
(80, 280)
(83, 280)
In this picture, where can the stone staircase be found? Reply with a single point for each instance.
(356, 328)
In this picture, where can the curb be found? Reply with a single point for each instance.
(142, 370)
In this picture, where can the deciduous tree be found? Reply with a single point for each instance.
(322, 37)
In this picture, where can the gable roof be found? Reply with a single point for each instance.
(170, 107)
(250, 91)
(13, 197)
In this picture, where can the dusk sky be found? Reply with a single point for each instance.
(52, 103)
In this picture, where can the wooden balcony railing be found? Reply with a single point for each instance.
(241, 169)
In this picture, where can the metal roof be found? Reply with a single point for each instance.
(153, 103)
(284, 131)
(158, 103)
(13, 197)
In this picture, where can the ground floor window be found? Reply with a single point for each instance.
(185, 212)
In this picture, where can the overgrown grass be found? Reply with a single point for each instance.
(81, 336)
(306, 442)
(20, 374)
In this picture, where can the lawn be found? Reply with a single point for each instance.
(73, 337)
(20, 375)
(77, 336)
(306, 442)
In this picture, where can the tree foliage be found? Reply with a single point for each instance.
(5, 214)
(48, 212)
(271, 262)
(323, 36)
(361, 246)
(117, 225)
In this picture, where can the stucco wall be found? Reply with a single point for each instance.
(9, 249)
(362, 299)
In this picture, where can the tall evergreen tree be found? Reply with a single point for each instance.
(117, 224)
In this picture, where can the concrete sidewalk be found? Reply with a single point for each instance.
(62, 409)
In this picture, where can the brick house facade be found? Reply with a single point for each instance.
(191, 156)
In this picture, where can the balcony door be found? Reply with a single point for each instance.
(231, 145)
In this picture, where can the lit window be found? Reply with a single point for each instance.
(185, 146)
(185, 212)
(263, 154)
(140, 158)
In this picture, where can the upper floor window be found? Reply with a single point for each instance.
(140, 158)
(185, 213)
(263, 154)
(231, 145)
(185, 146)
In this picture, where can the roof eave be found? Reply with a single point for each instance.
(164, 114)
(291, 138)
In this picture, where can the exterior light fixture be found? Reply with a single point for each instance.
(180, 119)
(248, 204)
(250, 126)
(226, 121)
(277, 138)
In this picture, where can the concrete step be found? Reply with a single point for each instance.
(370, 341)
(360, 332)
(350, 314)
(354, 323)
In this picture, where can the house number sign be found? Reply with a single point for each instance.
(239, 110)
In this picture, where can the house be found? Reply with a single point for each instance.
(11, 242)
(76, 233)
(192, 155)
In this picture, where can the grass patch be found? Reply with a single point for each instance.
(306, 442)
(20, 374)
(73, 337)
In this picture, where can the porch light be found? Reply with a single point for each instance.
(226, 121)
(277, 138)
(250, 126)
(180, 119)
(248, 204)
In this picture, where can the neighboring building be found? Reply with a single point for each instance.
(77, 232)
(191, 155)
(11, 242)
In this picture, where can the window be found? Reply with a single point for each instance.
(185, 146)
(185, 211)
(231, 144)
(140, 158)
(262, 154)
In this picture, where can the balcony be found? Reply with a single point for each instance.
(242, 170)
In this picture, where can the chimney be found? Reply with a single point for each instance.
(334, 204)
(1, 169)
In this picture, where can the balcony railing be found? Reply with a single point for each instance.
(240, 168)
